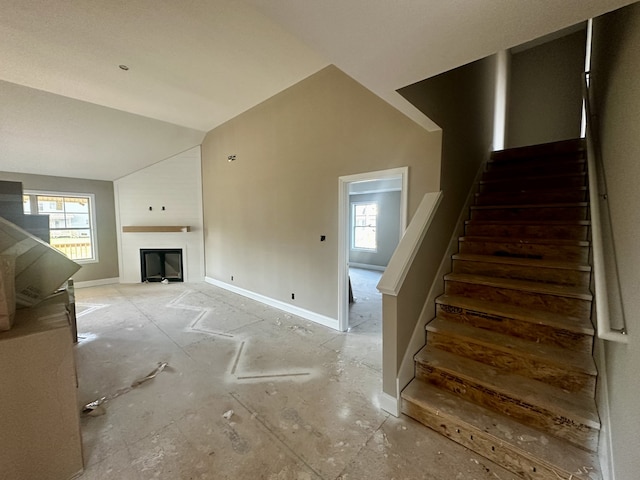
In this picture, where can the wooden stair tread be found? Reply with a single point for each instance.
(529, 222)
(523, 285)
(530, 178)
(500, 430)
(531, 205)
(573, 360)
(540, 241)
(539, 317)
(562, 147)
(538, 191)
(572, 406)
(524, 162)
(524, 262)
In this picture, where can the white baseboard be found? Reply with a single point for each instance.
(300, 312)
(365, 266)
(96, 283)
(390, 404)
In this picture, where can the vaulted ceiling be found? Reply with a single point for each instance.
(68, 109)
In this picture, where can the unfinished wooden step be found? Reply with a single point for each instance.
(542, 182)
(545, 271)
(573, 371)
(536, 248)
(564, 415)
(537, 326)
(563, 299)
(562, 148)
(557, 211)
(576, 230)
(532, 197)
(534, 167)
(525, 451)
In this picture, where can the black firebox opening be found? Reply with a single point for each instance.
(158, 264)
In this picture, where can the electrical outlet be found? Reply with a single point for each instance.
(232, 278)
(293, 296)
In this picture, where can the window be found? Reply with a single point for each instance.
(71, 222)
(365, 219)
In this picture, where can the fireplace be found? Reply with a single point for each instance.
(158, 264)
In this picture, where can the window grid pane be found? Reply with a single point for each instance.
(365, 217)
(69, 223)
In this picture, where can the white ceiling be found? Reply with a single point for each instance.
(67, 109)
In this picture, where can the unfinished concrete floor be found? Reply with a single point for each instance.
(305, 398)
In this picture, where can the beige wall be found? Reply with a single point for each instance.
(545, 92)
(107, 267)
(616, 70)
(264, 212)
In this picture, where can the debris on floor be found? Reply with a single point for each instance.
(227, 415)
(161, 366)
(96, 408)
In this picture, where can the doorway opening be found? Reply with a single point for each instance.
(372, 219)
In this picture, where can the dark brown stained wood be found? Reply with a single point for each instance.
(523, 450)
(544, 271)
(560, 211)
(543, 182)
(572, 371)
(578, 230)
(570, 147)
(563, 299)
(564, 415)
(533, 197)
(550, 166)
(535, 248)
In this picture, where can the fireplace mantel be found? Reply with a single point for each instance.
(156, 229)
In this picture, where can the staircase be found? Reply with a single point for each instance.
(507, 369)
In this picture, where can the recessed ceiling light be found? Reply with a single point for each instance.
(123, 67)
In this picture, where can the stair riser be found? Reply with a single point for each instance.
(534, 213)
(554, 423)
(529, 168)
(559, 276)
(545, 334)
(532, 198)
(540, 301)
(540, 183)
(569, 253)
(563, 232)
(484, 444)
(537, 368)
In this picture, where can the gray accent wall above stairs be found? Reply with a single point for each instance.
(545, 100)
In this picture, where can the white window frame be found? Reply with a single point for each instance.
(92, 216)
(353, 225)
